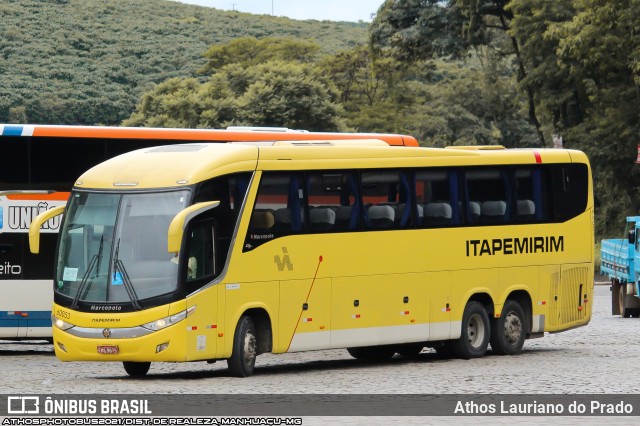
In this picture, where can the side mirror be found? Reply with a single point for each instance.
(180, 221)
(34, 228)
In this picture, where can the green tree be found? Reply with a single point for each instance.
(248, 51)
(420, 29)
(598, 47)
(174, 103)
(259, 90)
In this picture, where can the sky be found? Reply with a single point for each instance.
(331, 10)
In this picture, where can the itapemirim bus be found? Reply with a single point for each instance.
(38, 166)
(210, 252)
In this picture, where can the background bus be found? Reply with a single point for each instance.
(38, 166)
(290, 248)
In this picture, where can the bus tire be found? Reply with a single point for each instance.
(373, 353)
(508, 332)
(136, 369)
(245, 349)
(444, 350)
(474, 337)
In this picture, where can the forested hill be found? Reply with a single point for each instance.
(88, 61)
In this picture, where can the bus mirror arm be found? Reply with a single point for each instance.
(181, 220)
(34, 228)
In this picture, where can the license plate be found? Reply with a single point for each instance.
(108, 349)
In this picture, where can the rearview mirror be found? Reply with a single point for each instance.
(34, 228)
(181, 220)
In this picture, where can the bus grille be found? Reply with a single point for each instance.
(569, 306)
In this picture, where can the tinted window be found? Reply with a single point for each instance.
(278, 210)
(333, 201)
(386, 195)
(571, 190)
(14, 163)
(487, 195)
(437, 196)
(57, 163)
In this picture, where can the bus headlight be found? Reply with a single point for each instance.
(62, 325)
(165, 322)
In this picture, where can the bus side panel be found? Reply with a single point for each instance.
(438, 297)
(355, 311)
(572, 296)
(239, 297)
(404, 308)
(466, 284)
(306, 323)
(202, 325)
(549, 279)
(27, 313)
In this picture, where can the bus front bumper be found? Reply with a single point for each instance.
(163, 345)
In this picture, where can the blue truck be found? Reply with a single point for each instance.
(620, 261)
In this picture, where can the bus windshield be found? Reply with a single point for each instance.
(114, 248)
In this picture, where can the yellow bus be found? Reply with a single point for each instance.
(223, 252)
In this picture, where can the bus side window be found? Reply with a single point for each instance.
(529, 194)
(570, 197)
(487, 188)
(201, 256)
(386, 195)
(333, 202)
(278, 210)
(436, 195)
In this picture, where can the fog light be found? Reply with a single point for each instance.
(161, 347)
(61, 346)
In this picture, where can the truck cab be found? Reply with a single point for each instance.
(618, 260)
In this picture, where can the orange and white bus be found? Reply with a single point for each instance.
(38, 166)
(223, 252)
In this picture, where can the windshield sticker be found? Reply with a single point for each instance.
(117, 279)
(70, 274)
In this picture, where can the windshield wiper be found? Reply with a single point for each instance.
(126, 281)
(85, 278)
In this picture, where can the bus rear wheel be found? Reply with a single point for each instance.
(474, 336)
(136, 369)
(245, 349)
(508, 332)
(373, 353)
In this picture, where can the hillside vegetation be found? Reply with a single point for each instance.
(89, 61)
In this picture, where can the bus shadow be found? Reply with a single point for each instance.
(22, 348)
(284, 369)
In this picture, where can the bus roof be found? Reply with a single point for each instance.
(185, 164)
(223, 135)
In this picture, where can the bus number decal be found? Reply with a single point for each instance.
(63, 314)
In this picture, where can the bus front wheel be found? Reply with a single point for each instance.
(508, 332)
(136, 369)
(245, 349)
(474, 337)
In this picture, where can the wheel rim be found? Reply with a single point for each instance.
(475, 330)
(249, 349)
(512, 328)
